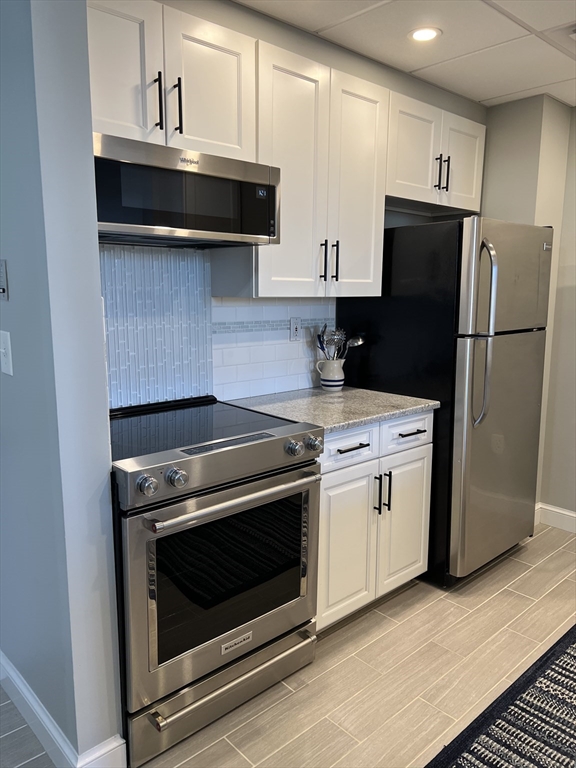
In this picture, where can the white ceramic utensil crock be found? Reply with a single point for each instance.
(331, 374)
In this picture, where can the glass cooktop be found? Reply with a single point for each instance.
(183, 424)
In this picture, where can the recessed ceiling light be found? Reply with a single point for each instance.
(426, 33)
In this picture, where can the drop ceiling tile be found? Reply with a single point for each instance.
(381, 33)
(310, 14)
(514, 66)
(541, 14)
(565, 92)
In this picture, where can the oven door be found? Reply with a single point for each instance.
(216, 576)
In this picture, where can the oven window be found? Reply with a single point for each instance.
(219, 575)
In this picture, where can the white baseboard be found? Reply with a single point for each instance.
(109, 754)
(557, 517)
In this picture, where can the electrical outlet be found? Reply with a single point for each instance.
(295, 329)
(5, 354)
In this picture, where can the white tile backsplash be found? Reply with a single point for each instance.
(252, 351)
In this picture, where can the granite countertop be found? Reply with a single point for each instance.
(337, 410)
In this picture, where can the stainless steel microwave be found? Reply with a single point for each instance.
(155, 195)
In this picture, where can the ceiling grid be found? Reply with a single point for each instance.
(490, 51)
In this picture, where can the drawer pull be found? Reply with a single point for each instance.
(388, 504)
(354, 448)
(411, 434)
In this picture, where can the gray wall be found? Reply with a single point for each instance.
(58, 611)
(256, 25)
(558, 476)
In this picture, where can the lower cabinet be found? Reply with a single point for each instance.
(374, 522)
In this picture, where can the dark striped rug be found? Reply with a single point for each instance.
(531, 725)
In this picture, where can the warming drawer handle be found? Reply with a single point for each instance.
(411, 434)
(354, 448)
(162, 723)
(229, 507)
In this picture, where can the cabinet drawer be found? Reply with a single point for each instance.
(351, 446)
(408, 432)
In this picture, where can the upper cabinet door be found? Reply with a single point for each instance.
(357, 185)
(413, 148)
(126, 55)
(463, 160)
(210, 87)
(293, 109)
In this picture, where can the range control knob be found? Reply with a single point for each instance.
(295, 448)
(315, 444)
(147, 485)
(176, 477)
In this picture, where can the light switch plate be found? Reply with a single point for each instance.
(6, 353)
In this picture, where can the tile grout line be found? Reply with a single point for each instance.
(13, 730)
(239, 751)
(29, 760)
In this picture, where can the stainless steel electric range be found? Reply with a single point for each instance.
(217, 529)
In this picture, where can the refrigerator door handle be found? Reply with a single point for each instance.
(487, 380)
(493, 283)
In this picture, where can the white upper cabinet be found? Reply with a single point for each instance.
(162, 76)
(327, 132)
(293, 114)
(434, 156)
(210, 87)
(357, 185)
(126, 55)
(463, 159)
(414, 145)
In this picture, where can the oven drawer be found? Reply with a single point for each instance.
(352, 446)
(162, 725)
(406, 432)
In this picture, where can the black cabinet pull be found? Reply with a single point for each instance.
(337, 246)
(379, 507)
(160, 123)
(354, 448)
(410, 434)
(388, 504)
(447, 161)
(180, 126)
(325, 246)
(439, 160)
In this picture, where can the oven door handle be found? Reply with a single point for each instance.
(228, 507)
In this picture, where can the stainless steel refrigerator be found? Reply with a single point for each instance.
(462, 319)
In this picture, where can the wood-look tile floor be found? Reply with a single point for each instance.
(389, 688)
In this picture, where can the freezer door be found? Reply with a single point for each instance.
(506, 269)
(495, 462)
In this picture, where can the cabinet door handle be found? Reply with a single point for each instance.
(388, 504)
(325, 246)
(160, 123)
(354, 448)
(439, 160)
(337, 273)
(447, 161)
(379, 507)
(411, 434)
(180, 126)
